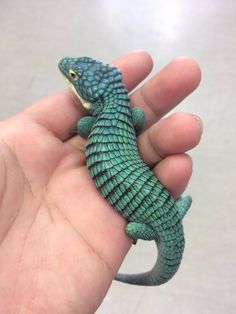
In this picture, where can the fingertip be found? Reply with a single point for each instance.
(174, 172)
(135, 66)
(174, 134)
(135, 56)
(190, 69)
(177, 133)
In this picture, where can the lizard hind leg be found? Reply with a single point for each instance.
(136, 230)
(183, 204)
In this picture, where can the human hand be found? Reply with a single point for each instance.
(61, 243)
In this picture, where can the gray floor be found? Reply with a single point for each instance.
(35, 34)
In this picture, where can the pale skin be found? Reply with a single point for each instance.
(60, 243)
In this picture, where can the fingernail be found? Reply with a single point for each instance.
(199, 121)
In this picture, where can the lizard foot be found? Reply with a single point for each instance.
(84, 126)
(142, 231)
(183, 204)
(138, 118)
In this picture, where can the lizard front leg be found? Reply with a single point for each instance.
(138, 118)
(84, 126)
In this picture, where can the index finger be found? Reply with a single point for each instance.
(167, 89)
(59, 113)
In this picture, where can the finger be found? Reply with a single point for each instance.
(135, 66)
(174, 173)
(167, 89)
(175, 134)
(59, 113)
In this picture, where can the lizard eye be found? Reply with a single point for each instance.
(73, 75)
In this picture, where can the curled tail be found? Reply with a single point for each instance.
(170, 247)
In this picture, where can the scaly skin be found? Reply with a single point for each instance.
(118, 171)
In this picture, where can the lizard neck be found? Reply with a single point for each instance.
(117, 102)
(116, 114)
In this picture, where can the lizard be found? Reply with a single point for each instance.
(117, 169)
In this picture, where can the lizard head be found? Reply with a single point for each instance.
(90, 80)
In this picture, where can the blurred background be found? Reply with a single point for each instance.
(35, 34)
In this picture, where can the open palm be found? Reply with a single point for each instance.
(60, 242)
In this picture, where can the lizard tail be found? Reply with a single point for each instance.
(166, 266)
(164, 269)
(170, 247)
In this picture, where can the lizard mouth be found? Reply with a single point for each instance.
(87, 105)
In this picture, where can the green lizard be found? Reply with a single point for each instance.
(117, 169)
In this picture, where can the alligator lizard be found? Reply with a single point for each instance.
(117, 169)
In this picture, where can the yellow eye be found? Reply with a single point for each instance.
(73, 75)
